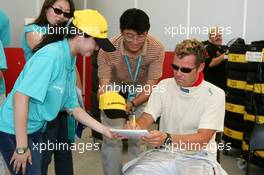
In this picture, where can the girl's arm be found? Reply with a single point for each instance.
(87, 120)
(21, 106)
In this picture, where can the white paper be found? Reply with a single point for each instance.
(130, 133)
(254, 56)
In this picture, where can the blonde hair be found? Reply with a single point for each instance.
(191, 47)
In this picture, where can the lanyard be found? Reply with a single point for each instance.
(139, 60)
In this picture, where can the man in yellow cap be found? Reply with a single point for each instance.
(45, 87)
(137, 65)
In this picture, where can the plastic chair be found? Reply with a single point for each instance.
(256, 143)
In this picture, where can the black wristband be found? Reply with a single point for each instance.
(168, 140)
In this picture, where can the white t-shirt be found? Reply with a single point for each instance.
(185, 110)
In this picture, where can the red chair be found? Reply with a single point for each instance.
(167, 69)
(15, 63)
(88, 77)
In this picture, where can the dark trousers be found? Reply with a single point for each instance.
(8, 146)
(57, 132)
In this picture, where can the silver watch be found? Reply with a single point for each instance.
(21, 150)
(168, 140)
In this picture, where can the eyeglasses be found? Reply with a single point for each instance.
(130, 37)
(183, 69)
(59, 12)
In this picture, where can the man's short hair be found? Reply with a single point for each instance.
(191, 47)
(136, 20)
(213, 31)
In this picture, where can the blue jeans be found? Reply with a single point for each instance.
(8, 146)
(57, 133)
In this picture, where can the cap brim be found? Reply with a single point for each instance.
(105, 44)
(115, 113)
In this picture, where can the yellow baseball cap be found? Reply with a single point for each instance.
(93, 24)
(113, 105)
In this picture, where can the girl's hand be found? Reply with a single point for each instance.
(108, 133)
(20, 161)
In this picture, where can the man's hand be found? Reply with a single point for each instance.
(20, 161)
(129, 107)
(130, 125)
(155, 138)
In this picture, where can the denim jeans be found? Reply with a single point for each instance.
(8, 146)
(57, 133)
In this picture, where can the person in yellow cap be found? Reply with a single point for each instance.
(46, 86)
(113, 104)
(133, 69)
(58, 130)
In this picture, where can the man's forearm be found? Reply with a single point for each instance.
(217, 60)
(199, 139)
(141, 98)
(145, 121)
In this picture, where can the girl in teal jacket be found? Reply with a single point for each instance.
(46, 86)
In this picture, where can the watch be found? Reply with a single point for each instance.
(168, 140)
(21, 150)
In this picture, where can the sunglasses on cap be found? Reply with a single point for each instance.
(58, 11)
(183, 69)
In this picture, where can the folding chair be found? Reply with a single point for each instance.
(256, 143)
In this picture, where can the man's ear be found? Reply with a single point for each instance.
(201, 67)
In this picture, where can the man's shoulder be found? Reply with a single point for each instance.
(210, 45)
(116, 40)
(167, 82)
(212, 89)
(154, 42)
